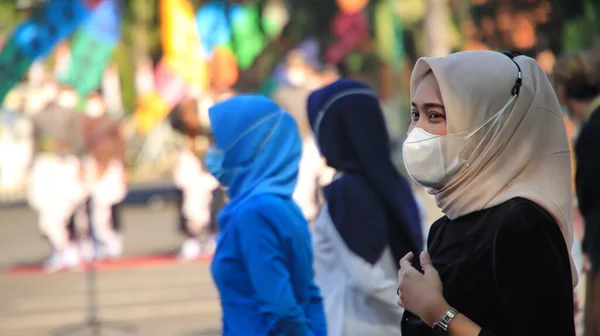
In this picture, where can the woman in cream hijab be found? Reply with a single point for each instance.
(488, 141)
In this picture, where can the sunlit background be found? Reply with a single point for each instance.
(159, 65)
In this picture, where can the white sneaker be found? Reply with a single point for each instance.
(61, 260)
(54, 263)
(113, 249)
(86, 250)
(190, 249)
(71, 257)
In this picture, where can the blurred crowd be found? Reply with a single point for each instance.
(71, 155)
(75, 168)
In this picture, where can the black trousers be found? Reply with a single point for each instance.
(115, 219)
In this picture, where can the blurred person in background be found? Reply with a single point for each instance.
(577, 82)
(495, 155)
(12, 107)
(15, 142)
(105, 179)
(196, 184)
(263, 263)
(302, 78)
(55, 182)
(49, 92)
(312, 174)
(40, 97)
(572, 128)
(370, 218)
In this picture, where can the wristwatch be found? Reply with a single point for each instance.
(440, 328)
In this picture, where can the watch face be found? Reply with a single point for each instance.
(439, 331)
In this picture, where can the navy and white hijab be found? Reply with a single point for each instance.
(371, 205)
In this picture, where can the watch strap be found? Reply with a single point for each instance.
(444, 322)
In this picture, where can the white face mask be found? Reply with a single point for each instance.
(49, 92)
(94, 109)
(67, 100)
(296, 77)
(35, 105)
(432, 160)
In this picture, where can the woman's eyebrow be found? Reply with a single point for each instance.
(429, 105)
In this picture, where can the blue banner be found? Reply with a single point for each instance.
(105, 22)
(48, 25)
(213, 27)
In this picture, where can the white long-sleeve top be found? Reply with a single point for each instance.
(197, 185)
(312, 174)
(359, 298)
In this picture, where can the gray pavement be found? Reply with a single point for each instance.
(166, 300)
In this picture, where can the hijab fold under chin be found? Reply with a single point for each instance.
(528, 153)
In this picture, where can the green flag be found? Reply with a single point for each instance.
(13, 65)
(388, 34)
(89, 58)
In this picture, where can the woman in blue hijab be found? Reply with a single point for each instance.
(370, 219)
(263, 263)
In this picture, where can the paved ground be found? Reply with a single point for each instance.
(161, 300)
(173, 299)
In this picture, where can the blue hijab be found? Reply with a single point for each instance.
(263, 262)
(371, 204)
(265, 155)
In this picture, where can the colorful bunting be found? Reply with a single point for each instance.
(151, 109)
(182, 65)
(352, 6)
(349, 30)
(249, 40)
(13, 65)
(105, 22)
(47, 26)
(181, 41)
(224, 70)
(389, 34)
(93, 47)
(37, 36)
(170, 86)
(213, 26)
(275, 17)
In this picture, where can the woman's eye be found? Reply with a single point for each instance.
(414, 115)
(434, 116)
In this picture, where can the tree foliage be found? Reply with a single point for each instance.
(141, 29)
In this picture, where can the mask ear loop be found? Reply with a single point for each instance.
(517, 88)
(514, 92)
(519, 82)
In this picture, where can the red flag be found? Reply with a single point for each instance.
(93, 3)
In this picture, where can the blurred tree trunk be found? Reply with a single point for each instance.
(436, 26)
(143, 12)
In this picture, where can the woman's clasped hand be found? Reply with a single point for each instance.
(421, 293)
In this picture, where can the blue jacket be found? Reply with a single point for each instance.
(263, 263)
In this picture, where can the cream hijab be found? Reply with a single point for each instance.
(526, 154)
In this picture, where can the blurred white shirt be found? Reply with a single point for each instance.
(359, 298)
(197, 185)
(313, 173)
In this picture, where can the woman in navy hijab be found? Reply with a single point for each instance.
(370, 219)
(263, 262)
